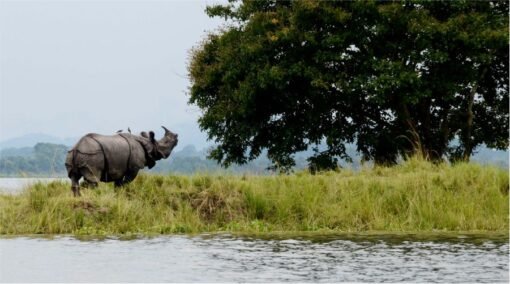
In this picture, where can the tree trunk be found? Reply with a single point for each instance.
(468, 142)
(428, 148)
(445, 128)
(415, 137)
(468, 145)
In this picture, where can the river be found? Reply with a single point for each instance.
(226, 258)
(15, 185)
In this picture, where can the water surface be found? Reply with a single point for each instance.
(16, 185)
(224, 258)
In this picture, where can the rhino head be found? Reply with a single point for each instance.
(161, 148)
(166, 144)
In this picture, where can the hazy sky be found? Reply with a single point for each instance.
(73, 67)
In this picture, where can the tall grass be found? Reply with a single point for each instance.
(416, 196)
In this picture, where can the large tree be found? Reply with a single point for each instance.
(392, 77)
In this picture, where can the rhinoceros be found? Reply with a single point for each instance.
(115, 158)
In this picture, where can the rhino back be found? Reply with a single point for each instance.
(116, 150)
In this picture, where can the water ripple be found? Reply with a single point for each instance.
(245, 259)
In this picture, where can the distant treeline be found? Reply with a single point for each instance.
(47, 159)
(44, 159)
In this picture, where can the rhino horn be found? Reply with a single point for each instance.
(167, 132)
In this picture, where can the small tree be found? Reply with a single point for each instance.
(392, 77)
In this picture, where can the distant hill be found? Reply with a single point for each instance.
(13, 152)
(30, 140)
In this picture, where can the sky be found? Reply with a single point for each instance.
(68, 68)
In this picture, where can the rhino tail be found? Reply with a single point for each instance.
(70, 163)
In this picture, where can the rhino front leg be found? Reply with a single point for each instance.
(129, 177)
(119, 182)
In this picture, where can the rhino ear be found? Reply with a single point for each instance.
(151, 133)
(144, 134)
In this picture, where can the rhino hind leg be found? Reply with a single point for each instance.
(91, 178)
(87, 184)
(75, 186)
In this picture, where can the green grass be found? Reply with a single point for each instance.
(413, 197)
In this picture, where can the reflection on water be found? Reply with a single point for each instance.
(240, 259)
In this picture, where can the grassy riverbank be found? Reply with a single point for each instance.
(413, 197)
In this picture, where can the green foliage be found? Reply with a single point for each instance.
(415, 196)
(394, 77)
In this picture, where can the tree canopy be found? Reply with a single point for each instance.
(392, 77)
